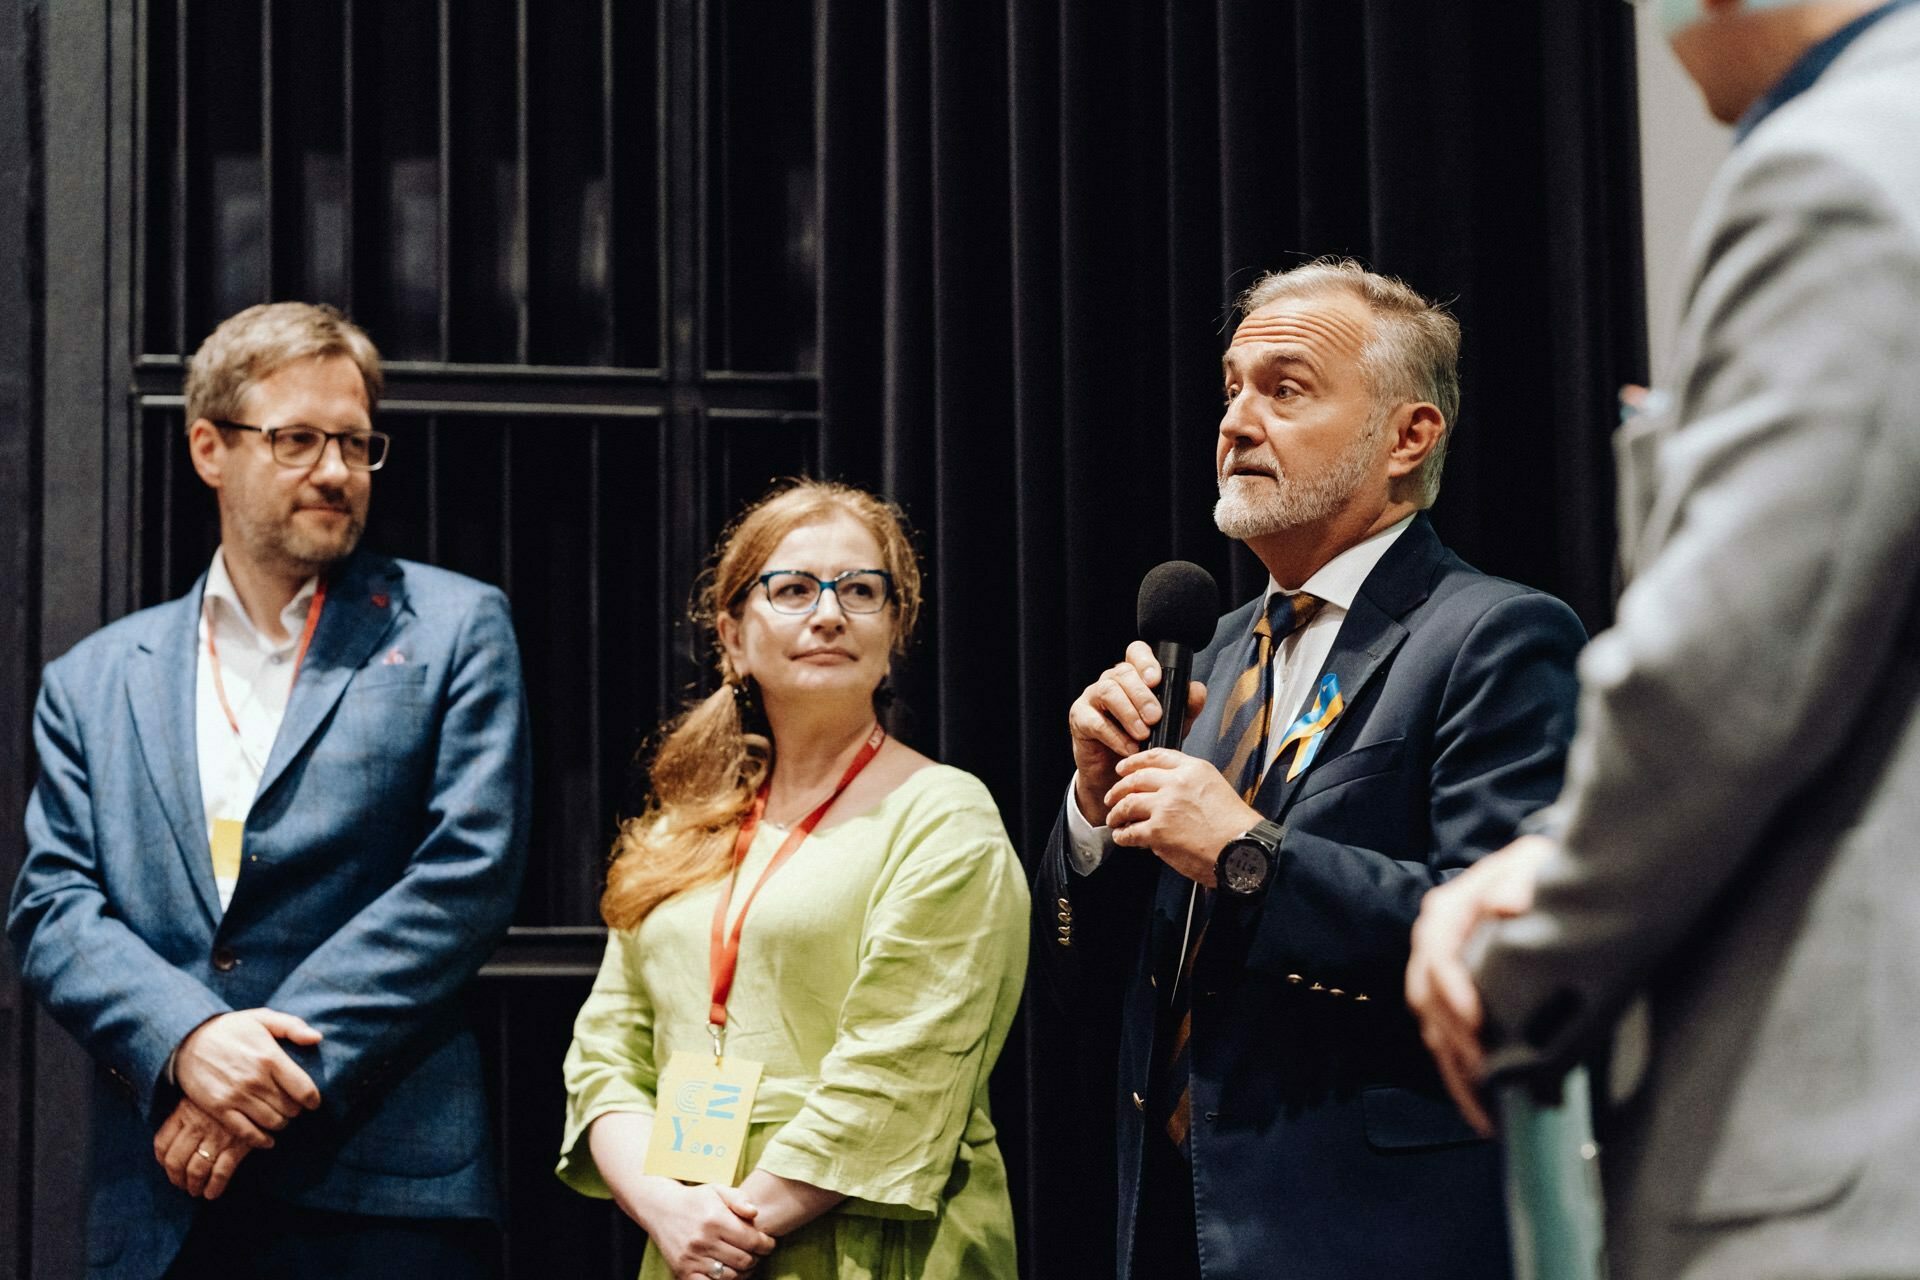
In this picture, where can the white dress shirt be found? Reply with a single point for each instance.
(257, 675)
(1297, 662)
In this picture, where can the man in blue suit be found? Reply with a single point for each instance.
(279, 824)
(1381, 716)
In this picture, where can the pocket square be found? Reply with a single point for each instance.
(394, 658)
(1310, 730)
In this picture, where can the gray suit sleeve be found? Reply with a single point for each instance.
(1776, 569)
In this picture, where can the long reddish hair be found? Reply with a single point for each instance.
(709, 763)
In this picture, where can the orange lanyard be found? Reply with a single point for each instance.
(723, 952)
(314, 606)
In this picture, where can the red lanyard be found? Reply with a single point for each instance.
(723, 953)
(314, 606)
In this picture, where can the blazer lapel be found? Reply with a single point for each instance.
(161, 688)
(1203, 735)
(362, 601)
(1368, 637)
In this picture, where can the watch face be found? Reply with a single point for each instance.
(1244, 868)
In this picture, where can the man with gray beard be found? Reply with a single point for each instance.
(1380, 717)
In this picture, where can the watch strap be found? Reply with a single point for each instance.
(1269, 833)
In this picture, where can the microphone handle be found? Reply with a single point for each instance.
(1176, 669)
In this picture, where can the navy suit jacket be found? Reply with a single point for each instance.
(1324, 1147)
(381, 862)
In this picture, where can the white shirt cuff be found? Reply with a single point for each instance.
(1087, 844)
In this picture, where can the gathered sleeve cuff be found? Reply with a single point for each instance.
(609, 1066)
(943, 960)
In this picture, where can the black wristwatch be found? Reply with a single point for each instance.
(1245, 867)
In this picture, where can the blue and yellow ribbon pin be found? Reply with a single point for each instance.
(1310, 730)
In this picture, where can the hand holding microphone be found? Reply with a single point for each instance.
(1135, 705)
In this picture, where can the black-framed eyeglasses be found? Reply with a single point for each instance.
(797, 591)
(301, 446)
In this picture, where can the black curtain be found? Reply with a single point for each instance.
(1033, 219)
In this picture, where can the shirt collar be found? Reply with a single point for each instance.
(292, 618)
(1338, 581)
(1810, 67)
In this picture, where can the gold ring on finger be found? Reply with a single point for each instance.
(203, 1153)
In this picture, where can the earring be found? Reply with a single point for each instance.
(745, 699)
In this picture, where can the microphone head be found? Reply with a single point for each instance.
(1179, 602)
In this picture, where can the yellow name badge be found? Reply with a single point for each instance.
(700, 1120)
(227, 837)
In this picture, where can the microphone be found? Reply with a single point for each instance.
(1178, 608)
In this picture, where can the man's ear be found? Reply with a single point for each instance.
(208, 450)
(1414, 432)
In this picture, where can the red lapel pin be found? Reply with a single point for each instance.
(379, 599)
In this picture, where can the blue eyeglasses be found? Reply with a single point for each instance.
(797, 591)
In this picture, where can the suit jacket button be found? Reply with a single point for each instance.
(1064, 905)
(1316, 987)
(1362, 998)
(1139, 1103)
(224, 959)
(1295, 979)
(1335, 991)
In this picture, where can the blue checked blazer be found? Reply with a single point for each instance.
(381, 862)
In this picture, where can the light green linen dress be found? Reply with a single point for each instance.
(879, 971)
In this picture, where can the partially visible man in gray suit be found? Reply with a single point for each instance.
(1738, 831)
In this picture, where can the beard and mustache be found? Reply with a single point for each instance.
(1249, 508)
(295, 545)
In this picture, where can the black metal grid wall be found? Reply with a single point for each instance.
(585, 236)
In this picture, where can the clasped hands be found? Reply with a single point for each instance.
(1175, 805)
(699, 1228)
(239, 1088)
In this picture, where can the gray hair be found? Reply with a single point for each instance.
(253, 345)
(1413, 355)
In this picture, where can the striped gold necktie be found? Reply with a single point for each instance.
(1245, 722)
(1248, 716)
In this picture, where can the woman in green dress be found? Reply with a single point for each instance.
(877, 918)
